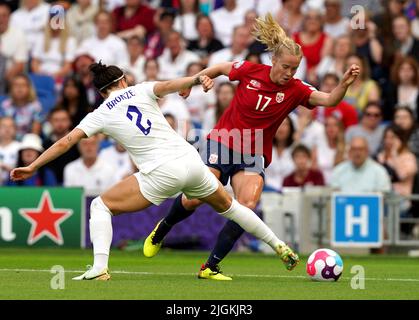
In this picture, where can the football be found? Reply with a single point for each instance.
(324, 265)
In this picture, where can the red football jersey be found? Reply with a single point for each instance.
(257, 109)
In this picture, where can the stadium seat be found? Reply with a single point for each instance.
(45, 91)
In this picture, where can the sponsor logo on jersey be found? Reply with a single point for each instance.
(213, 158)
(255, 83)
(238, 64)
(280, 97)
(251, 88)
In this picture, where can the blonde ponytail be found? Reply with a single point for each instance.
(270, 33)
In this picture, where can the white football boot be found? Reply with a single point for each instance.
(91, 274)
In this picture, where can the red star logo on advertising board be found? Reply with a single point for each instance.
(45, 220)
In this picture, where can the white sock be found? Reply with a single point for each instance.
(100, 233)
(250, 222)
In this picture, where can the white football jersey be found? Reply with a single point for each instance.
(133, 118)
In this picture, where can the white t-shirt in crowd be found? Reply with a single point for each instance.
(171, 69)
(185, 24)
(121, 161)
(337, 29)
(132, 117)
(32, 22)
(13, 46)
(325, 159)
(224, 55)
(111, 50)
(198, 102)
(137, 69)
(261, 7)
(8, 157)
(225, 21)
(95, 180)
(52, 61)
(176, 106)
(281, 166)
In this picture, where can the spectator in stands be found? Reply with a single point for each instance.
(137, 59)
(405, 119)
(314, 42)
(23, 106)
(176, 106)
(81, 71)
(364, 89)
(198, 101)
(398, 160)
(261, 7)
(30, 149)
(80, 19)
(308, 130)
(206, 44)
(331, 150)
(32, 17)
(303, 175)
(282, 164)
(156, 41)
(403, 89)
(74, 100)
(60, 121)
(237, 52)
(335, 24)
(224, 95)
(290, 17)
(104, 45)
(406, 44)
(336, 62)
(9, 148)
(415, 22)
(53, 53)
(151, 70)
(370, 127)
(368, 46)
(119, 158)
(134, 18)
(360, 173)
(185, 21)
(90, 172)
(13, 48)
(175, 58)
(342, 111)
(225, 19)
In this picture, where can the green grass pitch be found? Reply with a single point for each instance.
(25, 274)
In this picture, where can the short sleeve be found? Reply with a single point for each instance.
(239, 69)
(305, 90)
(92, 123)
(147, 88)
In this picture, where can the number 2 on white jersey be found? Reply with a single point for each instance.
(135, 116)
(268, 99)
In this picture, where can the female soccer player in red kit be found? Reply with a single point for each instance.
(264, 97)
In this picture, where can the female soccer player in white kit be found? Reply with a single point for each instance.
(167, 163)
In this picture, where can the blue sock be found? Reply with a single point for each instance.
(176, 214)
(225, 242)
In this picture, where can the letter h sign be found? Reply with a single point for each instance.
(357, 220)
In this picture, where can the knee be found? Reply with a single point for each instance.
(225, 203)
(249, 203)
(98, 204)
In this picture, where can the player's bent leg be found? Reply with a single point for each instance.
(221, 201)
(181, 209)
(123, 197)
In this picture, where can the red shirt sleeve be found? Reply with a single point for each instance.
(306, 90)
(239, 69)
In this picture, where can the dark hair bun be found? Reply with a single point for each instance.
(98, 68)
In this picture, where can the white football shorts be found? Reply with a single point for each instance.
(187, 174)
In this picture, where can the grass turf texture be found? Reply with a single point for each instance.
(24, 274)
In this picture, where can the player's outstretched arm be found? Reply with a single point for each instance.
(58, 148)
(212, 72)
(319, 98)
(163, 88)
